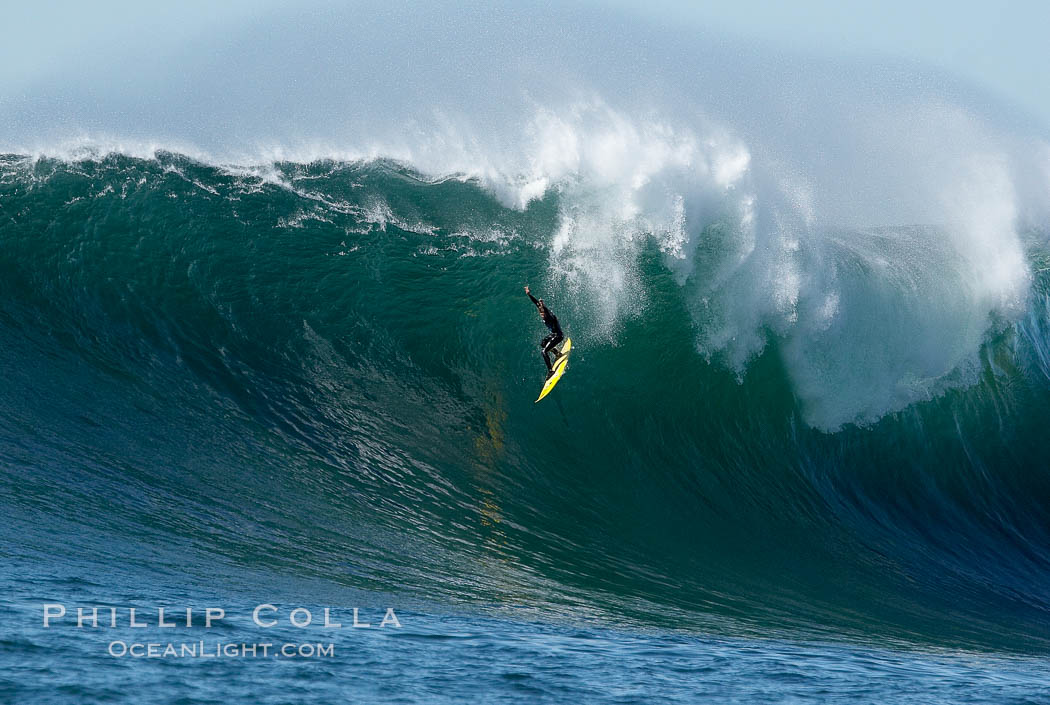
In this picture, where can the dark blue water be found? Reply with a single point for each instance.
(444, 656)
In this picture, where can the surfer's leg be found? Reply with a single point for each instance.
(556, 344)
(551, 342)
(545, 347)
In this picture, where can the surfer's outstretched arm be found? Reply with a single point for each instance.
(534, 300)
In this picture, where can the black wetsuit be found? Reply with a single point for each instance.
(555, 337)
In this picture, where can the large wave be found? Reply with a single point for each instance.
(809, 299)
(328, 370)
(868, 215)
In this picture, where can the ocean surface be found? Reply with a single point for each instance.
(312, 385)
(266, 357)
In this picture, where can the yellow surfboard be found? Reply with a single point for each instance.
(559, 369)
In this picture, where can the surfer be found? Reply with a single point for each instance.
(551, 321)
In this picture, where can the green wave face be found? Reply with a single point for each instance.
(329, 369)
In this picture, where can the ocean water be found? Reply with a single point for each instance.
(313, 387)
(279, 361)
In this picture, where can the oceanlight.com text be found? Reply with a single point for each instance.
(219, 650)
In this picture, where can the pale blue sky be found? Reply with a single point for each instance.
(1003, 46)
(132, 68)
